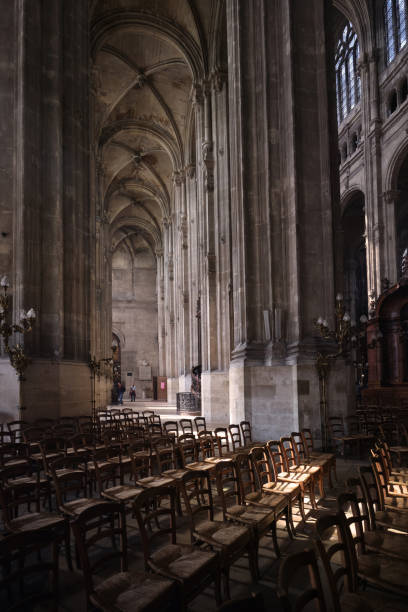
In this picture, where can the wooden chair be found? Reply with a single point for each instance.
(230, 541)
(289, 573)
(69, 475)
(340, 438)
(387, 543)
(235, 436)
(170, 428)
(13, 453)
(192, 569)
(302, 458)
(26, 495)
(221, 439)
(186, 426)
(200, 424)
(269, 485)
(51, 449)
(92, 529)
(295, 464)
(44, 423)
(282, 474)
(327, 460)
(16, 428)
(260, 520)
(379, 515)
(378, 569)
(30, 572)
(187, 447)
(394, 495)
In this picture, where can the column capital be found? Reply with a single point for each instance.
(392, 196)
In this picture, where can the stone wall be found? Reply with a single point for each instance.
(134, 314)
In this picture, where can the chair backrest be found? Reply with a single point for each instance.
(337, 552)
(288, 452)
(355, 486)
(197, 496)
(380, 477)
(276, 456)
(246, 474)
(29, 559)
(13, 451)
(154, 429)
(352, 425)
(261, 463)
(99, 524)
(235, 436)
(6, 437)
(16, 427)
(187, 446)
(148, 413)
(246, 431)
(221, 438)
(69, 476)
(186, 426)
(165, 456)
(299, 447)
(33, 434)
(199, 423)
(140, 465)
(228, 485)
(348, 504)
(206, 444)
(307, 437)
(289, 571)
(156, 517)
(171, 428)
(25, 494)
(371, 494)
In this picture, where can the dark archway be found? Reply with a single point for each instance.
(354, 256)
(401, 212)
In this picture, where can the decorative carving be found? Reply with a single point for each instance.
(197, 95)
(218, 78)
(385, 284)
(392, 196)
(404, 266)
(211, 263)
(141, 80)
(372, 303)
(178, 177)
(190, 170)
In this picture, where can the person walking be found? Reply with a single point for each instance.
(132, 393)
(121, 391)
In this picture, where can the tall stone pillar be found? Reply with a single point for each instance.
(51, 201)
(284, 187)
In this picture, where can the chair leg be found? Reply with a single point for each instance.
(275, 540)
(301, 507)
(253, 562)
(321, 484)
(311, 488)
(225, 573)
(288, 519)
(217, 586)
(67, 538)
(329, 469)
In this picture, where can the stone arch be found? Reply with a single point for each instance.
(394, 166)
(357, 12)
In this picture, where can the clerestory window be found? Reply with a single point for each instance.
(395, 27)
(347, 77)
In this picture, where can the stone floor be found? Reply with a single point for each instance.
(71, 585)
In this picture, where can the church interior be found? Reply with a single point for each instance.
(204, 305)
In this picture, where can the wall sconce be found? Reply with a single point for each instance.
(17, 356)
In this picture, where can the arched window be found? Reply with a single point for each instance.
(347, 78)
(395, 22)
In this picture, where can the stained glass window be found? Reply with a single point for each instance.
(395, 26)
(347, 78)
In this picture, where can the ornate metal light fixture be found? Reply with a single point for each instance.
(95, 367)
(17, 356)
(346, 335)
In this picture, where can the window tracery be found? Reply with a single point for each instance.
(395, 26)
(347, 77)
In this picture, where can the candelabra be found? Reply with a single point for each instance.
(347, 336)
(17, 356)
(95, 367)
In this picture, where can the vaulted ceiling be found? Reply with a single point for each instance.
(147, 55)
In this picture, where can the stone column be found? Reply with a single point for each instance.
(389, 202)
(284, 187)
(52, 206)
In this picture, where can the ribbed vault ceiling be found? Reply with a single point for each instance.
(147, 54)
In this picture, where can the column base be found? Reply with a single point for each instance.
(172, 390)
(56, 389)
(215, 398)
(10, 393)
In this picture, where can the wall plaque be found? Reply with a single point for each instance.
(145, 373)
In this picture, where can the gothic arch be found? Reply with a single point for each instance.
(394, 166)
(358, 13)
